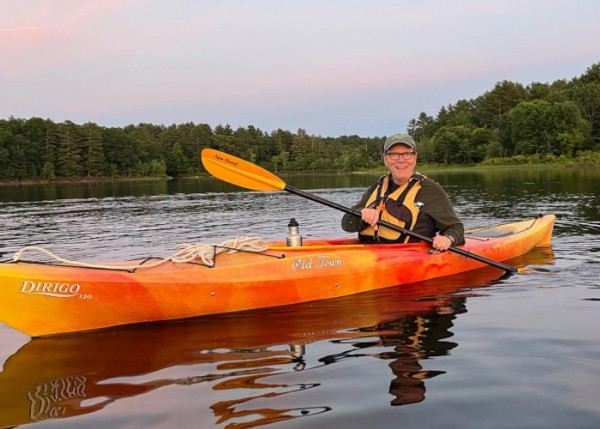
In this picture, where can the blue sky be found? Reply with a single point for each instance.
(331, 67)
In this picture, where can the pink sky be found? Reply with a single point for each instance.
(332, 68)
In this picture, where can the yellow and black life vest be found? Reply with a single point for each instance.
(397, 208)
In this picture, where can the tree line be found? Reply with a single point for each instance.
(543, 121)
(539, 121)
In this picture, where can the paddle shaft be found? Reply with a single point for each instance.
(413, 234)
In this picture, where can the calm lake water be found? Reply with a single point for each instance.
(470, 351)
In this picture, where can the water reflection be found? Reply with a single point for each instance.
(258, 352)
(405, 342)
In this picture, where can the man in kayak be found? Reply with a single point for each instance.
(406, 199)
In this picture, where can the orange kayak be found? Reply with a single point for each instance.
(65, 376)
(41, 299)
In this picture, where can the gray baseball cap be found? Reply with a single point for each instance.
(399, 138)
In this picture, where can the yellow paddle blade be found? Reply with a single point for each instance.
(239, 172)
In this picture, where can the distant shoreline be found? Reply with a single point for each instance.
(81, 180)
(379, 170)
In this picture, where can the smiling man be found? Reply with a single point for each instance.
(407, 199)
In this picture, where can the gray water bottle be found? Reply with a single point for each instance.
(294, 239)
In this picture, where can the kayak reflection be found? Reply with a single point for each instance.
(66, 376)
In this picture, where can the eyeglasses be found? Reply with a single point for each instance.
(395, 156)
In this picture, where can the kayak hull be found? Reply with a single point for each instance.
(42, 299)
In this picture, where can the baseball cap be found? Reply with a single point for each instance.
(399, 138)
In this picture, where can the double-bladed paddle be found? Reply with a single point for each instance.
(250, 176)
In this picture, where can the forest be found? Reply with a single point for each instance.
(509, 124)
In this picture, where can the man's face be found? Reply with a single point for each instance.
(403, 167)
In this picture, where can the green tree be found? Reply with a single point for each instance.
(280, 161)
(492, 105)
(538, 91)
(422, 128)
(177, 163)
(157, 168)
(5, 137)
(18, 157)
(591, 75)
(587, 98)
(43, 137)
(147, 142)
(282, 140)
(69, 151)
(48, 171)
(301, 151)
(541, 127)
(568, 131)
(452, 145)
(92, 149)
(478, 146)
(120, 152)
(460, 114)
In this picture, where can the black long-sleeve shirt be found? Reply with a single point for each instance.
(435, 205)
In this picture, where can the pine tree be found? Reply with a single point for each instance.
(93, 151)
(69, 152)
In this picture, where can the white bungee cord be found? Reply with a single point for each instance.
(185, 253)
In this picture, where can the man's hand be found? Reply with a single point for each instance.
(370, 216)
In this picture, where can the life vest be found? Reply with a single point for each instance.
(397, 208)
